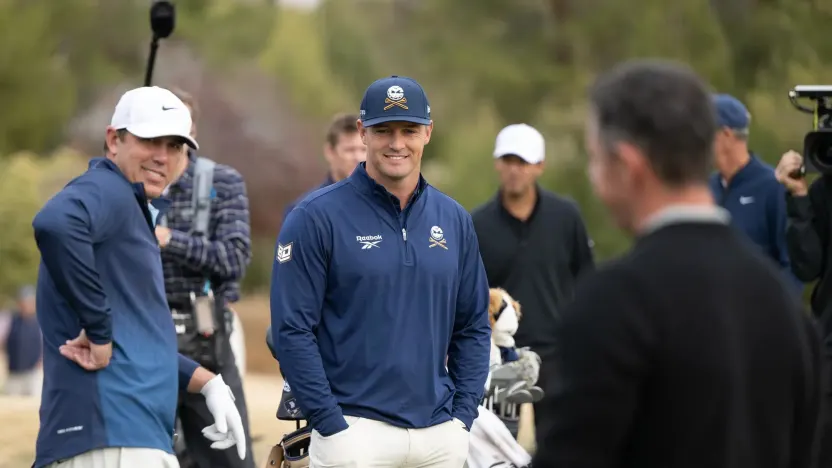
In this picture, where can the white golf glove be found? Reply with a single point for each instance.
(227, 429)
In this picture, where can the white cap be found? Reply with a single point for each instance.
(521, 140)
(152, 112)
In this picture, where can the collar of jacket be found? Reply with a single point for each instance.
(365, 184)
(750, 171)
(498, 199)
(328, 181)
(162, 204)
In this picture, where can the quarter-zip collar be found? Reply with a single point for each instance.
(161, 204)
(746, 172)
(366, 185)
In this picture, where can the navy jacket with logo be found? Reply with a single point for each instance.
(757, 203)
(101, 272)
(368, 300)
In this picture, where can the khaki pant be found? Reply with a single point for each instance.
(369, 443)
(116, 457)
(29, 383)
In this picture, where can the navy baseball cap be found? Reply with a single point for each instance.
(731, 113)
(396, 98)
(26, 292)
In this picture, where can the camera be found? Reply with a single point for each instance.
(817, 144)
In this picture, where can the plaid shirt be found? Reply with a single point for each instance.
(223, 256)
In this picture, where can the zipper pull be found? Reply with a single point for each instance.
(404, 234)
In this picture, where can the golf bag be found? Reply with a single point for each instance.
(494, 432)
(293, 450)
(492, 445)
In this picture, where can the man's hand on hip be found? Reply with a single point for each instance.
(227, 429)
(87, 354)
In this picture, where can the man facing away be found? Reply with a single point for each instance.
(343, 150)
(377, 283)
(24, 348)
(110, 361)
(691, 350)
(747, 187)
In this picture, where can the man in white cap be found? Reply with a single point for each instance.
(110, 359)
(533, 242)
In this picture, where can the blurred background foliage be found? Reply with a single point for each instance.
(484, 64)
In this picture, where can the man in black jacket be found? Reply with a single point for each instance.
(809, 220)
(690, 351)
(533, 242)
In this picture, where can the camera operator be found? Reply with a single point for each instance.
(809, 211)
(205, 242)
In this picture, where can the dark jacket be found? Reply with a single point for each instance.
(537, 261)
(809, 244)
(23, 344)
(690, 351)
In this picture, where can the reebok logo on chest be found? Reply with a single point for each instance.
(368, 242)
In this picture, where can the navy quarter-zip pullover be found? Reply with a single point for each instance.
(757, 204)
(368, 300)
(101, 272)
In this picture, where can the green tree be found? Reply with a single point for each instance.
(19, 179)
(26, 182)
(36, 88)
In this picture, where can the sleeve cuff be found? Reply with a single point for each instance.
(187, 367)
(467, 420)
(798, 207)
(101, 333)
(332, 423)
(178, 242)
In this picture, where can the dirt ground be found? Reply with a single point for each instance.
(19, 418)
(263, 386)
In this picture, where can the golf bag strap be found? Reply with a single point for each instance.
(275, 459)
(203, 192)
(292, 451)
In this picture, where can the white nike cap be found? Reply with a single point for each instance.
(521, 140)
(153, 112)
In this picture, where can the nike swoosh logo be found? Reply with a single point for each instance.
(167, 108)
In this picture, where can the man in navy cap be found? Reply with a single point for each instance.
(24, 348)
(379, 302)
(747, 187)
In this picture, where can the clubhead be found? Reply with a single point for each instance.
(519, 397)
(537, 394)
